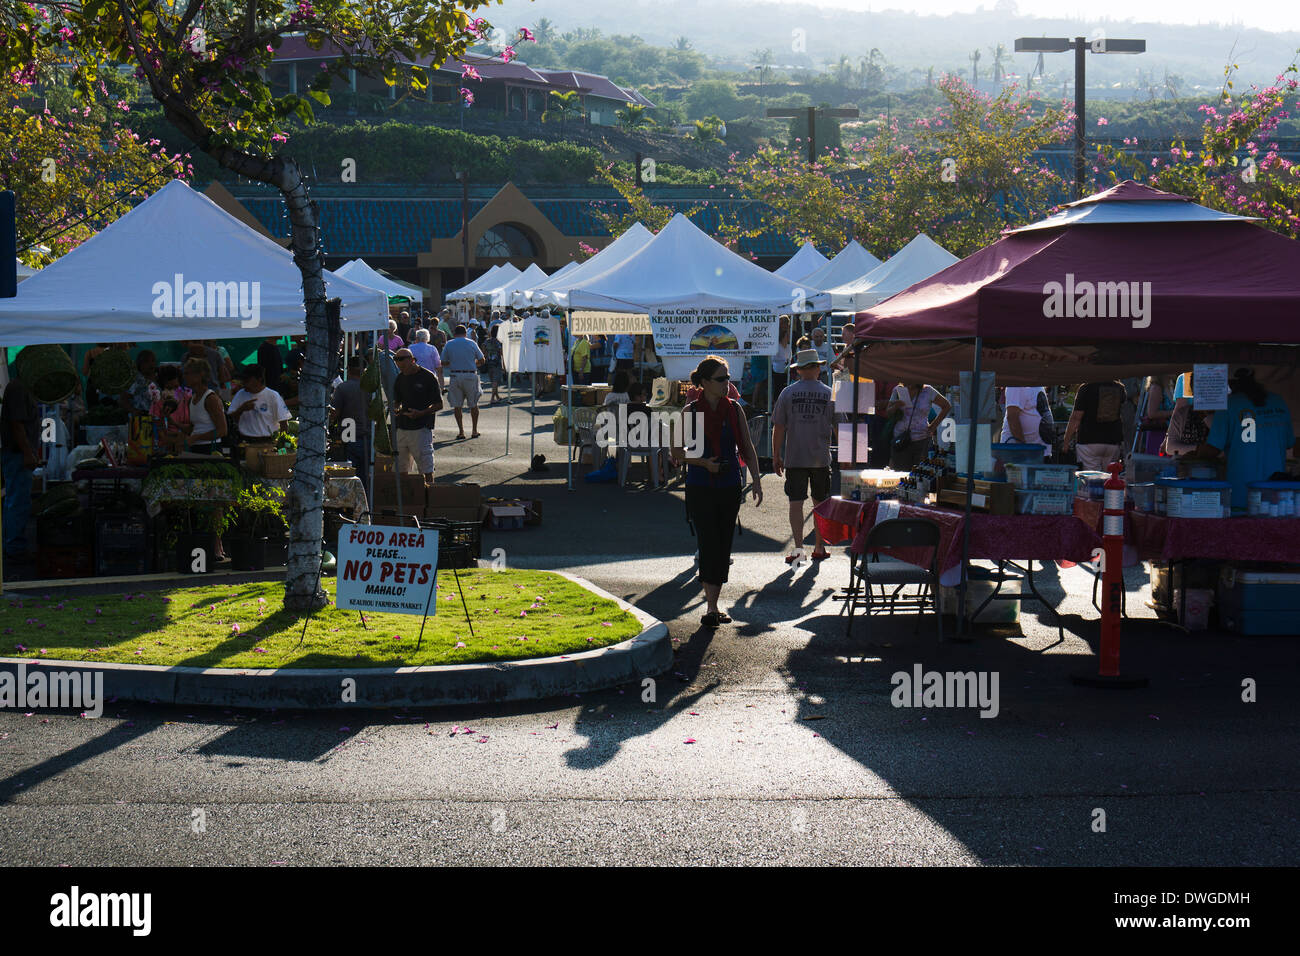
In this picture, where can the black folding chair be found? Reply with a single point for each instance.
(867, 572)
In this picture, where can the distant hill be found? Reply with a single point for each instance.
(729, 31)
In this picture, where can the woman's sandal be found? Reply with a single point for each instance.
(714, 619)
(792, 558)
(822, 556)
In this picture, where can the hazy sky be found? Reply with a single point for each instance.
(1267, 15)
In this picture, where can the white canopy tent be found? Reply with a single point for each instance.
(803, 263)
(684, 267)
(361, 273)
(524, 298)
(916, 261)
(555, 291)
(175, 267)
(850, 264)
(501, 295)
(486, 279)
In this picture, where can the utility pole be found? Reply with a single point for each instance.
(811, 112)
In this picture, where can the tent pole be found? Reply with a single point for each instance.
(971, 439)
(568, 376)
(532, 420)
(853, 415)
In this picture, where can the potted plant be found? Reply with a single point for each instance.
(195, 520)
(257, 514)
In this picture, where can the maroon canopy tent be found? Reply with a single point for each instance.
(1130, 281)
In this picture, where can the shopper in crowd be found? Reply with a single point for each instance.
(713, 479)
(216, 368)
(19, 452)
(171, 405)
(425, 354)
(291, 382)
(1158, 409)
(1024, 416)
(844, 360)
(781, 361)
(492, 362)
(271, 360)
(350, 412)
(1096, 424)
(418, 399)
(1254, 433)
(803, 421)
(618, 393)
(445, 325)
(139, 397)
(259, 412)
(391, 341)
(404, 326)
(581, 360)
(462, 359)
(207, 416)
(624, 353)
(910, 437)
(824, 349)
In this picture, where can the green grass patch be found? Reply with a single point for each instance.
(516, 614)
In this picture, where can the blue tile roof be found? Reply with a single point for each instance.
(403, 227)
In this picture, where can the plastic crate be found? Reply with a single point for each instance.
(454, 556)
(1011, 453)
(1090, 484)
(1037, 477)
(64, 562)
(458, 533)
(1039, 501)
(1272, 499)
(1187, 498)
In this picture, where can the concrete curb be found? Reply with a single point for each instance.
(646, 655)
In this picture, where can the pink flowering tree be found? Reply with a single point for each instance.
(76, 169)
(205, 63)
(1237, 168)
(961, 175)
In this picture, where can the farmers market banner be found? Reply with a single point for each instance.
(700, 331)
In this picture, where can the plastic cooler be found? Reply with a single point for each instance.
(1259, 602)
(1039, 501)
(1140, 469)
(1189, 498)
(1014, 454)
(1144, 497)
(1090, 484)
(1040, 477)
(1272, 499)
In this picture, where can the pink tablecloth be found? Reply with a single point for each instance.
(992, 537)
(1160, 538)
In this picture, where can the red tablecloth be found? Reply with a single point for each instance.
(1160, 538)
(992, 537)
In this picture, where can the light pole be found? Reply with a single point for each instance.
(811, 112)
(463, 176)
(1080, 46)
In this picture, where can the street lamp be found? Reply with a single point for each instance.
(462, 177)
(1079, 45)
(811, 112)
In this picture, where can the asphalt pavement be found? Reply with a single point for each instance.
(772, 740)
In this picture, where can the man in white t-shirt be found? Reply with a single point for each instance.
(258, 411)
(1021, 422)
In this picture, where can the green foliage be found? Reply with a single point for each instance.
(714, 98)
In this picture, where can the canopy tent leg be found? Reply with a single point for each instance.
(971, 440)
(568, 381)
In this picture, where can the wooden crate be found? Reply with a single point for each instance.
(994, 497)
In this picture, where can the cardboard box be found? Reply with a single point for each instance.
(455, 496)
(473, 514)
(414, 493)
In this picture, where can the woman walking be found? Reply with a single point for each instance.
(714, 485)
(911, 436)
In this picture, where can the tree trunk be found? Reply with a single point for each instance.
(306, 496)
(302, 590)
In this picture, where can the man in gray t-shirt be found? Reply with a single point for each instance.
(804, 420)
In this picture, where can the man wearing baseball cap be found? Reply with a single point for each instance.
(803, 422)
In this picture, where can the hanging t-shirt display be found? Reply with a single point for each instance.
(510, 333)
(540, 346)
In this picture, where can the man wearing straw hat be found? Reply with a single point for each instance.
(803, 421)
